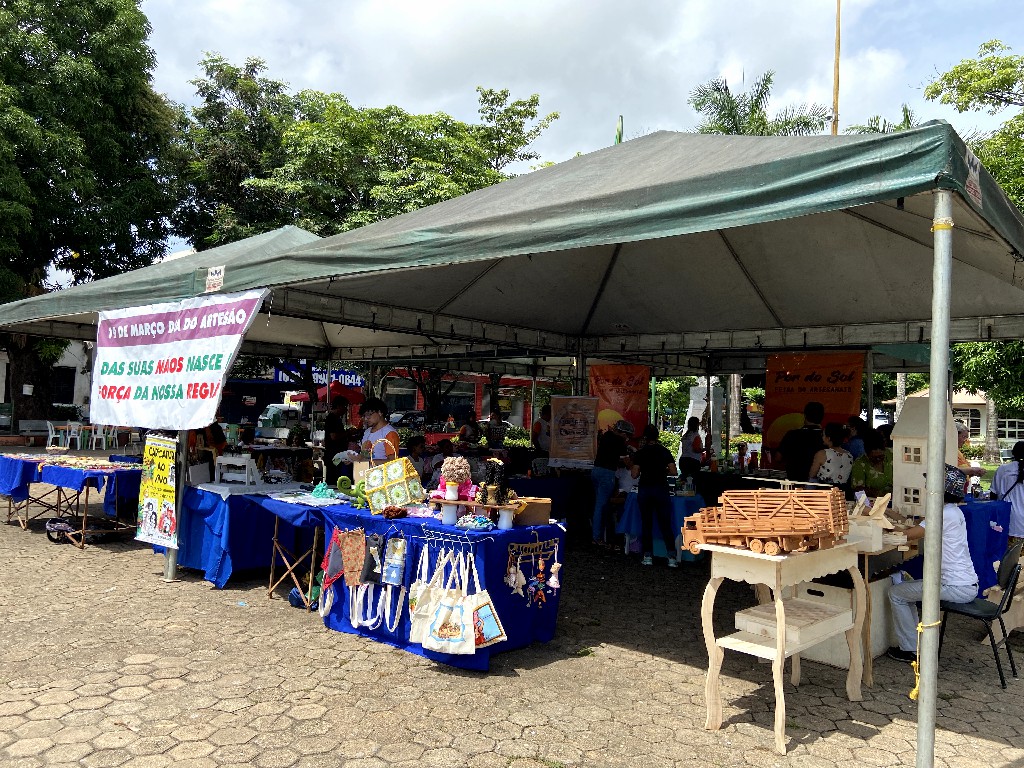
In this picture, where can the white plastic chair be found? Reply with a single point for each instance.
(134, 446)
(74, 433)
(52, 434)
(98, 437)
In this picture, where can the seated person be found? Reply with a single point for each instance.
(445, 448)
(872, 472)
(833, 463)
(624, 480)
(495, 430)
(741, 460)
(469, 433)
(416, 445)
(958, 578)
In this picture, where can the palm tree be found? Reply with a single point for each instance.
(747, 113)
(877, 124)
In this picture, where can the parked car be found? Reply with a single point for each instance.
(408, 419)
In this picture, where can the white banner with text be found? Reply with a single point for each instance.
(163, 366)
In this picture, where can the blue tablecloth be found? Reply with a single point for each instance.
(682, 507)
(219, 536)
(16, 475)
(987, 545)
(524, 623)
(119, 484)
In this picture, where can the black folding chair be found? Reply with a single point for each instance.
(989, 612)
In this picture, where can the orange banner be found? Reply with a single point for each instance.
(622, 392)
(793, 380)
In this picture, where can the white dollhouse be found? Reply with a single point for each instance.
(910, 455)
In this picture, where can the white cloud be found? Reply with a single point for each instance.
(589, 60)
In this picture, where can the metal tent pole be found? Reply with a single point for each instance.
(942, 227)
(180, 476)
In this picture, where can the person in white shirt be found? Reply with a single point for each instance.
(959, 579)
(1008, 485)
(380, 439)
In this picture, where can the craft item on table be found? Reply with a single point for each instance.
(515, 578)
(345, 484)
(333, 567)
(539, 589)
(425, 595)
(373, 562)
(487, 627)
(770, 521)
(393, 483)
(475, 523)
(353, 553)
(421, 510)
(449, 514)
(322, 491)
(451, 626)
(455, 469)
(392, 512)
(553, 581)
(394, 576)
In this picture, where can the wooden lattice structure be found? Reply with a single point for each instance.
(770, 521)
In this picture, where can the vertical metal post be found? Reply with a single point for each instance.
(180, 476)
(942, 268)
(869, 371)
(835, 76)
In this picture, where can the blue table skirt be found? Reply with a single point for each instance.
(987, 545)
(219, 536)
(524, 623)
(682, 507)
(121, 485)
(16, 475)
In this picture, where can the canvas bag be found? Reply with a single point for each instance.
(487, 628)
(451, 626)
(353, 553)
(394, 576)
(373, 560)
(424, 595)
(394, 483)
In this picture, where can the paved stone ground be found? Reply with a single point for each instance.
(102, 664)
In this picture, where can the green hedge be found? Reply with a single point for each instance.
(973, 451)
(748, 439)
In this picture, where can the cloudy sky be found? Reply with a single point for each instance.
(590, 60)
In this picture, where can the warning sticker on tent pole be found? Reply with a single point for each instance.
(163, 366)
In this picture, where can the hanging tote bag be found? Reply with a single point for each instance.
(424, 596)
(451, 627)
(373, 560)
(487, 628)
(394, 576)
(333, 568)
(394, 483)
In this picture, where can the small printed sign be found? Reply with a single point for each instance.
(214, 278)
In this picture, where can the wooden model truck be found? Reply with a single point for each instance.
(770, 521)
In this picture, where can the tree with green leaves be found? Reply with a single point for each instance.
(232, 137)
(993, 82)
(83, 143)
(878, 124)
(254, 157)
(724, 111)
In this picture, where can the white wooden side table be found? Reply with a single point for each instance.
(780, 573)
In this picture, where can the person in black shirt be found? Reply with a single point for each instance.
(652, 464)
(611, 447)
(335, 439)
(798, 446)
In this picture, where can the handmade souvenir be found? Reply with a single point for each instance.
(353, 553)
(424, 595)
(487, 628)
(373, 562)
(451, 626)
(393, 483)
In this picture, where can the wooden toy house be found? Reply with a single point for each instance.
(910, 455)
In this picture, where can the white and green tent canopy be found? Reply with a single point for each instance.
(672, 249)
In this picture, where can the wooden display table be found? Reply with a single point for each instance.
(808, 625)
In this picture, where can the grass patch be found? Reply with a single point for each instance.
(585, 652)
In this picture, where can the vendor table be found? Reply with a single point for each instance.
(120, 487)
(525, 621)
(630, 523)
(780, 573)
(220, 534)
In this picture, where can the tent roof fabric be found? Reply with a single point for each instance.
(666, 249)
